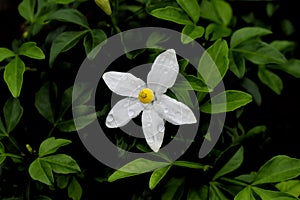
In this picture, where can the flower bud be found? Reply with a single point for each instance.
(104, 5)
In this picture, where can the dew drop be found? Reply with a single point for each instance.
(148, 124)
(130, 113)
(166, 110)
(110, 118)
(150, 139)
(161, 128)
(166, 71)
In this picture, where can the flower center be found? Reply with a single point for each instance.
(146, 95)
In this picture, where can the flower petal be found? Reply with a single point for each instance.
(174, 111)
(164, 72)
(153, 128)
(123, 112)
(124, 84)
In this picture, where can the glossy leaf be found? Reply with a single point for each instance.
(13, 76)
(51, 145)
(92, 42)
(2, 128)
(245, 194)
(226, 101)
(260, 53)
(187, 164)
(135, 167)
(292, 67)
(247, 33)
(217, 11)
(70, 15)
(61, 1)
(77, 123)
(64, 42)
(269, 194)
(26, 9)
(213, 63)
(291, 187)
(41, 171)
(172, 14)
(13, 112)
(283, 45)
(198, 193)
(190, 33)
(277, 169)
(157, 175)
(74, 189)
(5, 53)
(215, 192)
(44, 101)
(30, 50)
(232, 164)
(191, 7)
(237, 64)
(216, 31)
(62, 164)
(270, 79)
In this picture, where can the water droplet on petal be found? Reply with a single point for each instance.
(148, 124)
(161, 128)
(110, 118)
(166, 71)
(130, 113)
(166, 110)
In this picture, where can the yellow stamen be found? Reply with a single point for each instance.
(146, 95)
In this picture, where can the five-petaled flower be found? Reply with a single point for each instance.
(148, 98)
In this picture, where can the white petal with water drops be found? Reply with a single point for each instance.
(153, 128)
(163, 72)
(174, 111)
(123, 112)
(124, 84)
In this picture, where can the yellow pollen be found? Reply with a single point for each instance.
(146, 95)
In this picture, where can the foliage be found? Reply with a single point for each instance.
(40, 152)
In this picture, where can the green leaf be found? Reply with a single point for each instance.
(2, 128)
(233, 163)
(70, 15)
(268, 194)
(291, 187)
(92, 42)
(13, 112)
(26, 10)
(245, 194)
(215, 192)
(191, 83)
(61, 1)
(216, 11)
(172, 14)
(270, 79)
(188, 164)
(44, 101)
(135, 167)
(62, 181)
(173, 189)
(30, 50)
(283, 45)
(260, 53)
(2, 155)
(251, 87)
(279, 168)
(247, 33)
(224, 11)
(192, 8)
(41, 171)
(62, 164)
(237, 64)
(256, 130)
(226, 101)
(77, 123)
(13, 76)
(213, 63)
(157, 175)
(64, 42)
(5, 53)
(292, 67)
(190, 33)
(51, 145)
(198, 193)
(75, 190)
(216, 31)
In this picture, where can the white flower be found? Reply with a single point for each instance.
(149, 98)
